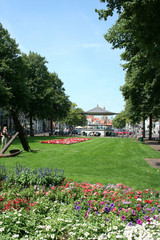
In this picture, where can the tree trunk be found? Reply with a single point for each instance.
(31, 126)
(150, 126)
(144, 130)
(159, 133)
(20, 129)
(51, 123)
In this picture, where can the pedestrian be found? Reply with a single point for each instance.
(4, 135)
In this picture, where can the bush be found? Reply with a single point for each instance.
(25, 176)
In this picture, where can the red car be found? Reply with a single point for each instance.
(123, 131)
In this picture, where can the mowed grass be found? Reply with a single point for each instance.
(101, 160)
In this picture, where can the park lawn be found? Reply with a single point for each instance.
(101, 160)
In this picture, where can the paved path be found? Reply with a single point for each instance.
(154, 162)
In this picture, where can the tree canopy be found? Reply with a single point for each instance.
(27, 86)
(120, 120)
(12, 74)
(74, 117)
(137, 32)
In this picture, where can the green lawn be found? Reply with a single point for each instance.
(102, 160)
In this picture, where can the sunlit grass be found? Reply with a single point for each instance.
(105, 160)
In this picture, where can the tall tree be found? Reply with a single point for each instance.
(120, 120)
(74, 117)
(13, 89)
(57, 102)
(136, 31)
(38, 85)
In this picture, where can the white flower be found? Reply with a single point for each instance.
(139, 199)
(115, 227)
(119, 236)
(86, 234)
(1, 223)
(109, 235)
(40, 226)
(48, 228)
(52, 236)
(1, 229)
(15, 236)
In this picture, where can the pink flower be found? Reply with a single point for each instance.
(139, 221)
(114, 209)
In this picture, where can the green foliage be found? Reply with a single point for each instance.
(13, 91)
(100, 160)
(58, 103)
(79, 210)
(132, 32)
(23, 176)
(120, 120)
(37, 79)
(74, 118)
(131, 113)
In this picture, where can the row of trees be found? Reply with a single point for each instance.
(27, 86)
(137, 32)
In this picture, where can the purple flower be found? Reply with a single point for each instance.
(107, 210)
(107, 219)
(133, 212)
(78, 207)
(153, 209)
(77, 203)
(148, 209)
(112, 205)
(123, 217)
(130, 224)
(139, 221)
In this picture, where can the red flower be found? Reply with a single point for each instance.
(148, 201)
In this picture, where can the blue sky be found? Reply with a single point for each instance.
(70, 36)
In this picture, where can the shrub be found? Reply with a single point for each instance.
(25, 176)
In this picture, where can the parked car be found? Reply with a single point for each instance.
(58, 132)
(94, 134)
(129, 132)
(122, 131)
(76, 132)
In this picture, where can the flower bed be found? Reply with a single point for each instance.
(67, 141)
(79, 211)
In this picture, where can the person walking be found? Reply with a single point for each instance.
(4, 135)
